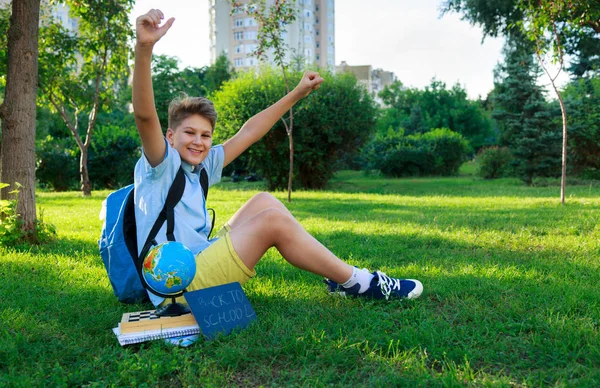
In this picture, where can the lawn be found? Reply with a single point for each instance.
(511, 294)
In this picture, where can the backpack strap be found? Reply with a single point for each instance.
(204, 184)
(167, 213)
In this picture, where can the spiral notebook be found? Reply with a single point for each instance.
(145, 326)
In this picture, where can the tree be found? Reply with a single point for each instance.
(418, 111)
(522, 114)
(17, 151)
(272, 22)
(80, 72)
(168, 81)
(582, 98)
(218, 73)
(549, 23)
(333, 123)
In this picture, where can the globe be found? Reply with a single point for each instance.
(169, 268)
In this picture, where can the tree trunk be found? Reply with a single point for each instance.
(17, 152)
(291, 173)
(86, 188)
(563, 178)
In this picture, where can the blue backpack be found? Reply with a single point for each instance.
(118, 240)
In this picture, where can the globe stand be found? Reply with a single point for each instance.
(172, 309)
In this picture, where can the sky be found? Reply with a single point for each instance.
(407, 37)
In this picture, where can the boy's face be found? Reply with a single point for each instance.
(192, 139)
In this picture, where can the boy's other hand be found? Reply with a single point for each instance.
(148, 30)
(311, 80)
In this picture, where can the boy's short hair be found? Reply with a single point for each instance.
(184, 106)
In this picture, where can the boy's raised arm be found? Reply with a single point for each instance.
(259, 124)
(148, 32)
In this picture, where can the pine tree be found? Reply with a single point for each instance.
(524, 118)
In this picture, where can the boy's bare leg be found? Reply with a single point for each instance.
(255, 205)
(264, 222)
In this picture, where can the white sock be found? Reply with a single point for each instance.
(359, 276)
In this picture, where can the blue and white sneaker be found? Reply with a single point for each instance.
(381, 287)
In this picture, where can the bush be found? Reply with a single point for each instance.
(112, 156)
(437, 152)
(111, 159)
(493, 162)
(11, 225)
(332, 122)
(57, 165)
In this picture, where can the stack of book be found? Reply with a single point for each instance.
(144, 326)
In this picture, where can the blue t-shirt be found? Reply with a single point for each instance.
(152, 184)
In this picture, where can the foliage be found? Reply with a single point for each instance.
(272, 21)
(112, 159)
(418, 111)
(582, 98)
(335, 120)
(11, 231)
(56, 165)
(524, 118)
(5, 12)
(493, 162)
(80, 71)
(576, 22)
(113, 156)
(168, 81)
(437, 152)
(218, 73)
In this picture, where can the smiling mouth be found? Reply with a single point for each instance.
(197, 152)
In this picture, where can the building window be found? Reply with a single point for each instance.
(239, 62)
(238, 35)
(306, 13)
(307, 39)
(251, 35)
(250, 22)
(318, 57)
(250, 61)
(239, 49)
(250, 48)
(317, 20)
(239, 23)
(318, 45)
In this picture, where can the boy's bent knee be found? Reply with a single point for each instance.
(265, 197)
(275, 220)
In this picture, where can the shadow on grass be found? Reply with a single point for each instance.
(538, 218)
(497, 309)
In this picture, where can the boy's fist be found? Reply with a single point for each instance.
(311, 80)
(148, 29)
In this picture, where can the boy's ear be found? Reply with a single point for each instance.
(169, 135)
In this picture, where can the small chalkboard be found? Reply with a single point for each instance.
(220, 309)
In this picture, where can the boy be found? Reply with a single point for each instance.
(262, 222)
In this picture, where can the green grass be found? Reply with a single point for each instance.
(511, 294)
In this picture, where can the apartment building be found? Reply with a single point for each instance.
(310, 37)
(374, 80)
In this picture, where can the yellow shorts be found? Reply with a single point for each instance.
(218, 264)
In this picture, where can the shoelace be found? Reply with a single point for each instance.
(387, 284)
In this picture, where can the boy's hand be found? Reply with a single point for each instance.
(147, 27)
(310, 81)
